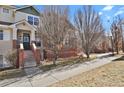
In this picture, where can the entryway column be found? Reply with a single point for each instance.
(14, 37)
(32, 36)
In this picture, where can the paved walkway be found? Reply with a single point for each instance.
(53, 76)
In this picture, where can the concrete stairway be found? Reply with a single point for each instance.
(30, 64)
(29, 60)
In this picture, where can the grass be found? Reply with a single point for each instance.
(110, 75)
(12, 73)
(63, 63)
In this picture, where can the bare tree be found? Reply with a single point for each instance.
(53, 27)
(120, 27)
(122, 37)
(87, 22)
(116, 32)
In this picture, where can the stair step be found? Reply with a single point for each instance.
(29, 60)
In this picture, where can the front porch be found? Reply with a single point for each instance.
(24, 36)
(23, 33)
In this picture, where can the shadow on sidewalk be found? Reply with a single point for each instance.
(119, 59)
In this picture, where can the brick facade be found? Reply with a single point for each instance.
(64, 53)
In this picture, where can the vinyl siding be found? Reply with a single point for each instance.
(6, 43)
(22, 16)
(7, 35)
(6, 17)
(5, 46)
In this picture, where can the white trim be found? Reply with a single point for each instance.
(5, 26)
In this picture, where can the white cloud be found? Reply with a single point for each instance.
(118, 13)
(108, 17)
(100, 13)
(107, 8)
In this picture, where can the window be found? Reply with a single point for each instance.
(1, 35)
(30, 20)
(33, 20)
(5, 10)
(26, 39)
(36, 21)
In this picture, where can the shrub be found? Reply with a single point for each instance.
(11, 57)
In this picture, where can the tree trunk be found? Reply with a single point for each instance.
(117, 50)
(88, 55)
(122, 45)
(55, 58)
(41, 49)
(112, 45)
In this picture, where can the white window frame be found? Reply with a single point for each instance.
(33, 19)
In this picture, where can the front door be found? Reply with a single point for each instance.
(26, 41)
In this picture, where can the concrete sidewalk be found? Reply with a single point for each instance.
(53, 76)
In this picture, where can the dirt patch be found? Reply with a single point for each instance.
(64, 62)
(106, 76)
(13, 73)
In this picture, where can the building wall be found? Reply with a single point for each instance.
(7, 35)
(5, 46)
(13, 16)
(6, 17)
(21, 16)
(6, 43)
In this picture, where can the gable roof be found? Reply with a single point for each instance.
(24, 21)
(29, 9)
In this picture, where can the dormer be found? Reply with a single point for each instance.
(28, 13)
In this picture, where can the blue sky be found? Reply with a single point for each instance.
(106, 12)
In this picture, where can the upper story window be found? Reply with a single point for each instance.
(5, 10)
(1, 34)
(30, 20)
(36, 21)
(33, 20)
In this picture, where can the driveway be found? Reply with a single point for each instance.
(42, 79)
